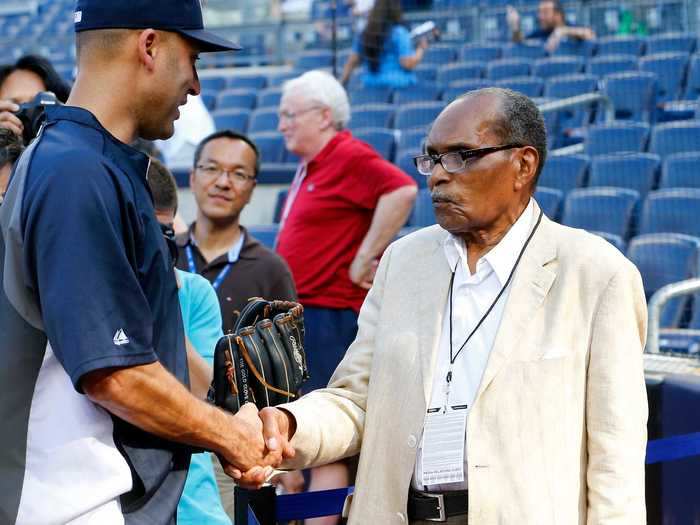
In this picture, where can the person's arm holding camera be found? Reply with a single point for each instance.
(513, 20)
(412, 61)
(8, 118)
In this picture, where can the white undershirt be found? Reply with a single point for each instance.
(471, 297)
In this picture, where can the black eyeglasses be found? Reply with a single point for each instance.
(455, 161)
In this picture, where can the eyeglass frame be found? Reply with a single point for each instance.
(465, 154)
(292, 115)
(216, 172)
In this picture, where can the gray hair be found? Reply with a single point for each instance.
(322, 88)
(520, 123)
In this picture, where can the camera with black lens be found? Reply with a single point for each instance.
(32, 114)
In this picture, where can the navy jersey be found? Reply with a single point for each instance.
(86, 283)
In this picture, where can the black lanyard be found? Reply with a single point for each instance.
(493, 304)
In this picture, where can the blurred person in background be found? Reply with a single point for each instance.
(201, 317)
(552, 26)
(11, 148)
(20, 82)
(385, 49)
(345, 205)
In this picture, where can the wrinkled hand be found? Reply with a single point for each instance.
(278, 428)
(247, 452)
(363, 270)
(8, 119)
(512, 18)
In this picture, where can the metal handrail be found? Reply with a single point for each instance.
(657, 302)
(580, 100)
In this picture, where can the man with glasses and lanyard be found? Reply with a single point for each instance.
(497, 373)
(223, 177)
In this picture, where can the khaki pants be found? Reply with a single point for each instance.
(225, 487)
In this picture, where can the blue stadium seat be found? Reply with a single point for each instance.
(608, 64)
(620, 45)
(266, 234)
(608, 210)
(279, 205)
(616, 137)
(417, 115)
(530, 86)
(557, 66)
(549, 200)
(566, 86)
(681, 170)
(247, 82)
(460, 87)
(421, 92)
(675, 137)
(269, 98)
(524, 50)
(270, 144)
(316, 59)
(423, 213)
(278, 79)
(575, 47)
(564, 172)
(370, 95)
(213, 83)
(372, 116)
(664, 259)
(263, 120)
(274, 173)
(411, 139)
(617, 241)
(209, 99)
(632, 94)
(236, 98)
(439, 54)
(460, 71)
(234, 119)
(381, 139)
(635, 171)
(669, 69)
(426, 73)
(671, 43)
(480, 52)
(404, 160)
(672, 210)
(692, 88)
(500, 69)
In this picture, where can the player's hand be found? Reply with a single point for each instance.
(8, 119)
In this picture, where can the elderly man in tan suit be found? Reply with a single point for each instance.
(497, 374)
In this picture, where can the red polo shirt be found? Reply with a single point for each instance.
(330, 217)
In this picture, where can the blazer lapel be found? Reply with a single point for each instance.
(433, 283)
(530, 285)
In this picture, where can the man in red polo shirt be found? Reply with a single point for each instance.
(345, 205)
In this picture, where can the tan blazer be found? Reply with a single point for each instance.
(557, 433)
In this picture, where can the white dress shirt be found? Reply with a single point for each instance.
(472, 295)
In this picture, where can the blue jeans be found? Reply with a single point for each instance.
(329, 332)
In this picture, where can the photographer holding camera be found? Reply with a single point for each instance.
(20, 83)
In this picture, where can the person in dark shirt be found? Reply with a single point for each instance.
(552, 26)
(223, 178)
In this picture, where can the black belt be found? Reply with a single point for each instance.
(437, 506)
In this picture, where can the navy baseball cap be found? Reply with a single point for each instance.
(178, 16)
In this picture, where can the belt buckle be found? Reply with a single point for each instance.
(442, 516)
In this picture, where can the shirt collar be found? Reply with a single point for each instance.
(123, 154)
(233, 254)
(328, 149)
(499, 259)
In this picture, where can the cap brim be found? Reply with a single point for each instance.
(209, 42)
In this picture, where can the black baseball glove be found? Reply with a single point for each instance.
(263, 360)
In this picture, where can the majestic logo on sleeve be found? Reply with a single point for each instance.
(120, 338)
